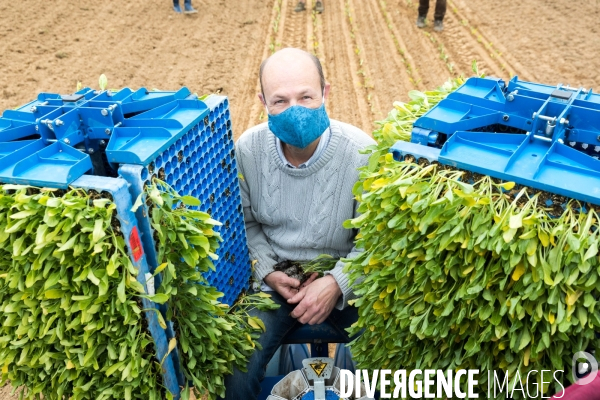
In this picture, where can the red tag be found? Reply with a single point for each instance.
(135, 244)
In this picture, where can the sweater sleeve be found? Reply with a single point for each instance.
(258, 245)
(342, 278)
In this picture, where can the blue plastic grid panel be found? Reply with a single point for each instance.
(202, 164)
(118, 188)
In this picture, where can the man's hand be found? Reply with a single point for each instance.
(284, 285)
(316, 301)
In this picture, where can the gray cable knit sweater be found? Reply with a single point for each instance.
(297, 214)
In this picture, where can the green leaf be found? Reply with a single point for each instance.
(525, 339)
(189, 201)
(114, 368)
(102, 82)
(92, 278)
(98, 232)
(138, 202)
(52, 280)
(53, 294)
(23, 214)
(515, 221)
(121, 290)
(591, 251)
(159, 298)
(201, 241)
(160, 268)
(69, 244)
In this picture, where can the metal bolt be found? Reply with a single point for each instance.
(561, 141)
(572, 144)
(584, 146)
(102, 142)
(91, 151)
(67, 141)
(505, 117)
(564, 121)
(33, 109)
(104, 112)
(37, 128)
(107, 131)
(598, 138)
(58, 122)
(597, 149)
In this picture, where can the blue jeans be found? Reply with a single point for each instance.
(278, 324)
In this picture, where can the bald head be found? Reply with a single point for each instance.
(290, 64)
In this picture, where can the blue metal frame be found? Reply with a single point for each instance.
(540, 136)
(118, 188)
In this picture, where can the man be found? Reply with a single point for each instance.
(438, 16)
(318, 7)
(299, 170)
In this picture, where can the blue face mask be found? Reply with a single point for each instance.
(299, 126)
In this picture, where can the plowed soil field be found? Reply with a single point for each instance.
(372, 52)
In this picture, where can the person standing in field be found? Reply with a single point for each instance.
(187, 7)
(438, 16)
(318, 7)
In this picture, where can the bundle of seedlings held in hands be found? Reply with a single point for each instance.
(70, 303)
(303, 270)
(212, 338)
(463, 271)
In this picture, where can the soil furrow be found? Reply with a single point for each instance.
(553, 41)
(381, 60)
(429, 69)
(400, 46)
(495, 49)
(347, 101)
(251, 85)
(255, 112)
(294, 33)
(466, 48)
(143, 43)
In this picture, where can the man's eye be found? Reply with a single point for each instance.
(307, 98)
(279, 102)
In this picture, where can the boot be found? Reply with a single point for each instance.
(176, 7)
(319, 7)
(187, 7)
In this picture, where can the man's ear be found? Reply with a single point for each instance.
(326, 91)
(262, 99)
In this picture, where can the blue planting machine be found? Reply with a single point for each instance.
(115, 142)
(539, 136)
